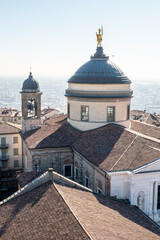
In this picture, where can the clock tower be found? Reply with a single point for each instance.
(31, 104)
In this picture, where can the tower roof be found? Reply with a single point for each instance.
(30, 84)
(99, 70)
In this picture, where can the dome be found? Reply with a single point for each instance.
(30, 84)
(99, 70)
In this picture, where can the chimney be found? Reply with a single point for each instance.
(50, 171)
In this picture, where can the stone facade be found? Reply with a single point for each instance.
(29, 123)
(26, 158)
(58, 158)
(52, 158)
(96, 177)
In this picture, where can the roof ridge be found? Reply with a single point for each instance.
(45, 177)
(143, 135)
(73, 212)
(139, 152)
(123, 153)
(146, 117)
(145, 123)
(11, 124)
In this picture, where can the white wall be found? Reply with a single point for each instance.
(97, 113)
(99, 87)
(129, 185)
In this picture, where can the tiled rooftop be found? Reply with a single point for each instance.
(60, 212)
(147, 129)
(143, 116)
(59, 120)
(8, 112)
(39, 214)
(111, 147)
(7, 128)
(105, 218)
(26, 177)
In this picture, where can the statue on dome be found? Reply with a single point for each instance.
(99, 36)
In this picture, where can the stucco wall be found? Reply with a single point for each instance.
(84, 126)
(130, 185)
(119, 186)
(97, 112)
(10, 149)
(99, 87)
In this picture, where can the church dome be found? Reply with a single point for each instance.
(30, 84)
(98, 93)
(99, 70)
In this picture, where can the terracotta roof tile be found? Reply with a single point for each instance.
(51, 136)
(8, 112)
(143, 116)
(55, 211)
(6, 128)
(59, 120)
(39, 214)
(106, 218)
(146, 129)
(111, 147)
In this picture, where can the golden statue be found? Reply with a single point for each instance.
(99, 36)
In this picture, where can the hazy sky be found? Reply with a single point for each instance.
(56, 37)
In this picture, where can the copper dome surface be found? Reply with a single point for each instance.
(30, 84)
(99, 70)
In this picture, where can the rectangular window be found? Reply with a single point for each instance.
(3, 153)
(15, 151)
(15, 139)
(84, 113)
(4, 164)
(110, 114)
(86, 181)
(158, 198)
(128, 112)
(67, 171)
(3, 141)
(16, 163)
(68, 110)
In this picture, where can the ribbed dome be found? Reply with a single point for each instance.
(30, 84)
(99, 70)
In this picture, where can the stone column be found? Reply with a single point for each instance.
(155, 197)
(150, 198)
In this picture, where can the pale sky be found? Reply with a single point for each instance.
(56, 37)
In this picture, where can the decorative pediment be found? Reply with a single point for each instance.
(150, 167)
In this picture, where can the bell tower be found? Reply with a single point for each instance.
(31, 104)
